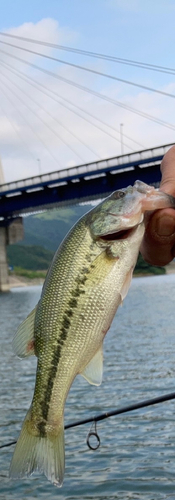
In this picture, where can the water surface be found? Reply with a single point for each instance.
(136, 459)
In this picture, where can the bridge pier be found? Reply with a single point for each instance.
(4, 279)
(11, 231)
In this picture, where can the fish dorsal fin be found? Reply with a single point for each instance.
(126, 284)
(23, 342)
(93, 372)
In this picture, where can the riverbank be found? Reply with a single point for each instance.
(22, 281)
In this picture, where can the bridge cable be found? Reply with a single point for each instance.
(45, 123)
(95, 93)
(139, 64)
(20, 138)
(36, 84)
(108, 414)
(29, 125)
(57, 121)
(90, 70)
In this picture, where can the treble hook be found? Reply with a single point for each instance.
(93, 433)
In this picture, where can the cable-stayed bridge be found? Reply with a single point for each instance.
(84, 182)
(70, 186)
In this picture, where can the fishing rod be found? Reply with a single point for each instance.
(93, 431)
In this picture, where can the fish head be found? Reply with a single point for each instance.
(123, 211)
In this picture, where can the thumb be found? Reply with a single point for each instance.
(158, 246)
(168, 172)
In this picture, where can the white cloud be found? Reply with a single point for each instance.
(46, 30)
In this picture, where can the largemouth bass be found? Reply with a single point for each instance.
(87, 281)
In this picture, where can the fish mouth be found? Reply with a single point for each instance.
(123, 234)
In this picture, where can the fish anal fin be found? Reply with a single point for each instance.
(23, 342)
(93, 372)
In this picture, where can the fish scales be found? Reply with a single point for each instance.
(88, 304)
(87, 280)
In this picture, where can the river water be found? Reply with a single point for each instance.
(136, 459)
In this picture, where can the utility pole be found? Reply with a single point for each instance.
(121, 138)
(39, 165)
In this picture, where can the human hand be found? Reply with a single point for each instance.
(158, 245)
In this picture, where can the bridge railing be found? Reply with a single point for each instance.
(87, 169)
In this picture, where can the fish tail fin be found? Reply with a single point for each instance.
(45, 454)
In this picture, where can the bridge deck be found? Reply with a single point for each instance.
(83, 182)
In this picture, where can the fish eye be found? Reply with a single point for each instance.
(119, 194)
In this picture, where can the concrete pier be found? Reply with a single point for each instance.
(4, 279)
(11, 231)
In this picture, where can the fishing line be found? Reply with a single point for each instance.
(102, 416)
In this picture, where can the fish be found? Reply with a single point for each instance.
(88, 279)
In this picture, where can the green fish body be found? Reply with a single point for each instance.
(87, 281)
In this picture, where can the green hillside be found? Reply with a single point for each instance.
(43, 233)
(29, 257)
(48, 229)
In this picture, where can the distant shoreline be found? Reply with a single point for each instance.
(21, 281)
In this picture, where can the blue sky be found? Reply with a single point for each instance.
(133, 29)
(139, 28)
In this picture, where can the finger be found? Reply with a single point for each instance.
(158, 246)
(168, 172)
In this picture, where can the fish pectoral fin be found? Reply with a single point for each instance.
(93, 372)
(126, 284)
(23, 342)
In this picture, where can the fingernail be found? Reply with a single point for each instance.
(165, 226)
